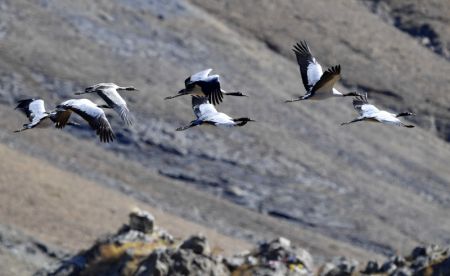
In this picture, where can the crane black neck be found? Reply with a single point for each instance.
(403, 114)
(237, 93)
(127, 88)
(242, 121)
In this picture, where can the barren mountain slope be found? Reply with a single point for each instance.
(397, 70)
(375, 187)
(427, 21)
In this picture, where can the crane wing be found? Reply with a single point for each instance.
(361, 104)
(327, 80)
(61, 117)
(116, 102)
(98, 86)
(197, 76)
(310, 69)
(211, 89)
(32, 108)
(94, 115)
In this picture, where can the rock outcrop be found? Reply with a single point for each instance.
(431, 260)
(141, 249)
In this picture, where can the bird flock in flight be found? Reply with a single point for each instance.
(205, 93)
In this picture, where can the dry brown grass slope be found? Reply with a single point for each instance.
(69, 212)
(366, 185)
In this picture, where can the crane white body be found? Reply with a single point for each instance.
(369, 112)
(206, 113)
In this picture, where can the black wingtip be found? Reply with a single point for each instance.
(23, 103)
(335, 69)
(301, 47)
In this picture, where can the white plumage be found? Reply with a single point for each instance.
(37, 107)
(314, 72)
(202, 75)
(83, 105)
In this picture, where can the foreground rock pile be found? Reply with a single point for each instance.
(430, 260)
(140, 248)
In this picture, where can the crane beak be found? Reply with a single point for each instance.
(180, 93)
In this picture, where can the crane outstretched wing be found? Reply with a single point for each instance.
(327, 80)
(31, 108)
(212, 90)
(310, 69)
(116, 102)
(197, 76)
(87, 110)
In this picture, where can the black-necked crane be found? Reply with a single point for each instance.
(318, 85)
(205, 85)
(90, 112)
(34, 109)
(206, 113)
(369, 112)
(109, 93)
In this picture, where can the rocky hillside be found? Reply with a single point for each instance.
(364, 190)
(426, 21)
(141, 248)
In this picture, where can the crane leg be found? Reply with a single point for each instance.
(192, 124)
(25, 127)
(294, 100)
(352, 121)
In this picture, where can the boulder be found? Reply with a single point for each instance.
(198, 244)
